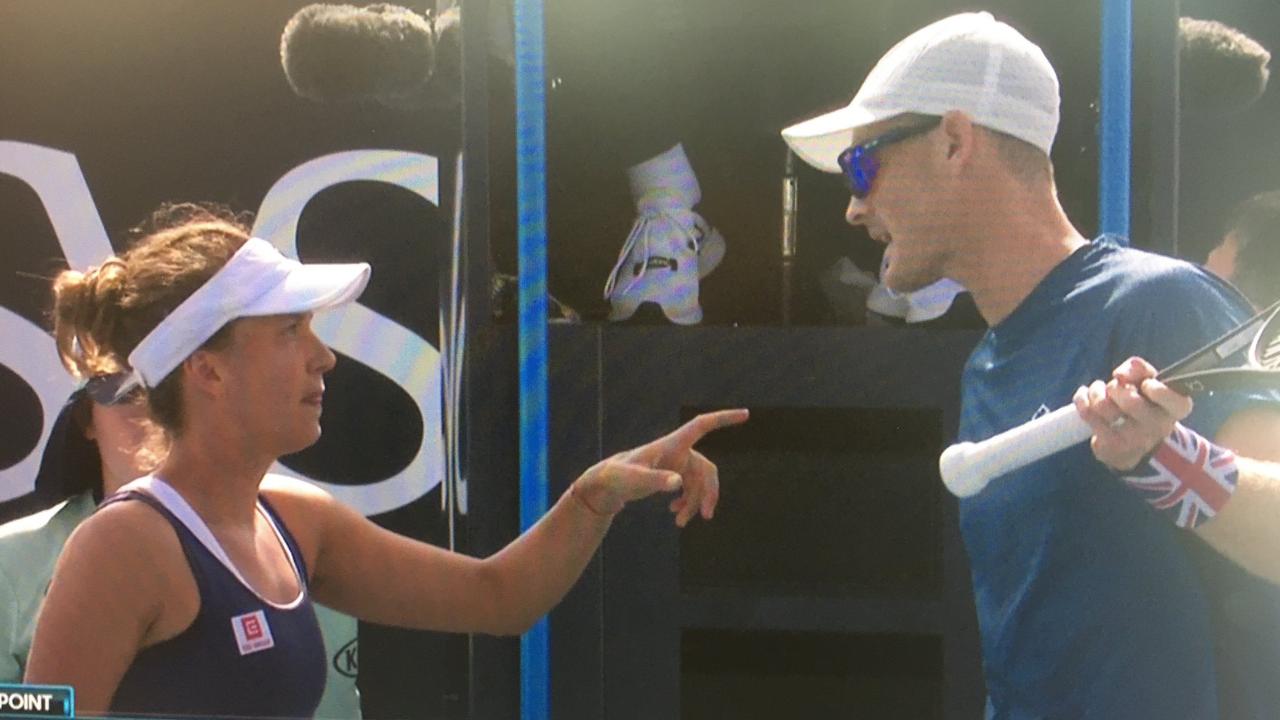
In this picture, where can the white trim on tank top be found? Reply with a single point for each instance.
(164, 493)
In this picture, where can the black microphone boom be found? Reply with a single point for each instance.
(343, 53)
(1222, 70)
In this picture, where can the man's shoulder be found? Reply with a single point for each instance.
(1132, 268)
(1133, 278)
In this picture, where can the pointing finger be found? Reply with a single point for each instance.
(688, 435)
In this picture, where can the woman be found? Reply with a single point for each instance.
(100, 441)
(196, 581)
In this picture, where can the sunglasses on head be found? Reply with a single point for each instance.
(860, 164)
(111, 390)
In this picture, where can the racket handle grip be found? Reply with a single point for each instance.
(967, 467)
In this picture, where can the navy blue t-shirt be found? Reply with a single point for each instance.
(1091, 604)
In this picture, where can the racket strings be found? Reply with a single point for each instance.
(1268, 355)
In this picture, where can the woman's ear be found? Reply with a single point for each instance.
(204, 372)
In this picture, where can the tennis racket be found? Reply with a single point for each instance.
(967, 467)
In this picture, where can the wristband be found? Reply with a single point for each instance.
(1186, 477)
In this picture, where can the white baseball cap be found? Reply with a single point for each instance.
(969, 62)
(256, 281)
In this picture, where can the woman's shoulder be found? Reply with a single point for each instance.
(126, 525)
(290, 489)
(126, 546)
(306, 510)
(296, 501)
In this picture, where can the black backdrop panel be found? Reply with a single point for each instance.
(723, 77)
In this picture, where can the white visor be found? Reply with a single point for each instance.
(256, 281)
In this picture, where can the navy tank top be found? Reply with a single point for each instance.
(242, 656)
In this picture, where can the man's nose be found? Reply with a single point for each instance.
(856, 213)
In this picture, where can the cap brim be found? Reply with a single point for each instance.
(313, 287)
(820, 140)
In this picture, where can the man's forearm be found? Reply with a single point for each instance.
(1247, 529)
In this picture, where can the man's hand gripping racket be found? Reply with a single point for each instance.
(967, 467)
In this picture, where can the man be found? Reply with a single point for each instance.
(1088, 604)
(1249, 254)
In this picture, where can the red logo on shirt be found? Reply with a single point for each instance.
(252, 628)
(252, 632)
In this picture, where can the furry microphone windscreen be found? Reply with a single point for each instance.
(341, 53)
(1222, 70)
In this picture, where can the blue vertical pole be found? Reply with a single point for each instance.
(1116, 99)
(531, 206)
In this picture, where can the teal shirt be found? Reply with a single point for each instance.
(29, 548)
(341, 700)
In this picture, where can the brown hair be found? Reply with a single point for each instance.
(101, 315)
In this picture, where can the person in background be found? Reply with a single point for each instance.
(93, 450)
(1249, 254)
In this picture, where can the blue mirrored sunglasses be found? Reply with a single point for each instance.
(860, 163)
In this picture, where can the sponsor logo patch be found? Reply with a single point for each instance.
(253, 634)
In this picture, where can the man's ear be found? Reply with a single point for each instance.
(960, 134)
